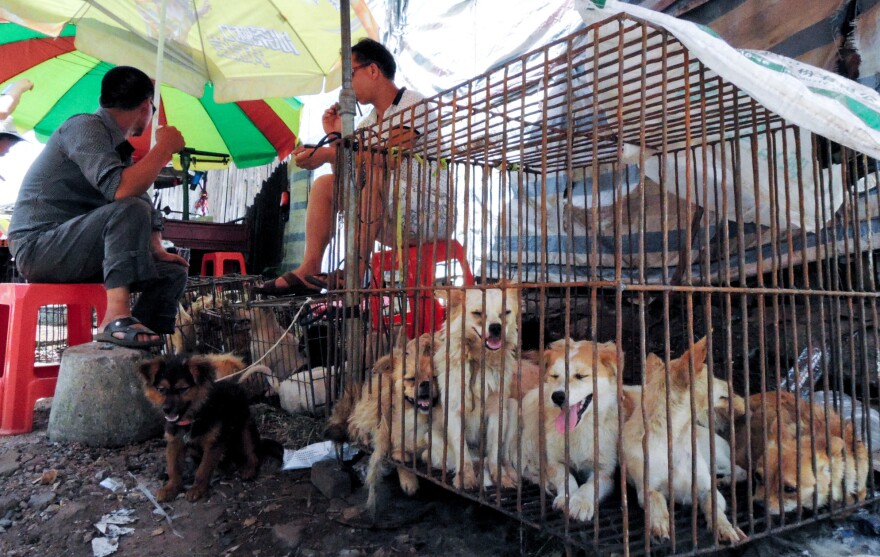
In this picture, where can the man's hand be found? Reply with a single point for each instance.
(169, 140)
(170, 257)
(332, 120)
(309, 158)
(12, 95)
(161, 254)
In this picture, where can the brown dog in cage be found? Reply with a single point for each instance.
(573, 405)
(654, 427)
(784, 471)
(476, 358)
(393, 412)
(212, 418)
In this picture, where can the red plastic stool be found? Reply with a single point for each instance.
(218, 260)
(424, 310)
(22, 381)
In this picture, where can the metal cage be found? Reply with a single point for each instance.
(611, 190)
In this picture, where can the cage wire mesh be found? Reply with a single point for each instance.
(687, 279)
(292, 338)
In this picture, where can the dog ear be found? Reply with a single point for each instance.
(653, 364)
(426, 345)
(629, 404)
(699, 351)
(512, 297)
(400, 342)
(679, 369)
(201, 370)
(453, 297)
(385, 364)
(149, 369)
(608, 357)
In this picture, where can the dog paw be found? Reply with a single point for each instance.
(660, 530)
(580, 507)
(559, 503)
(509, 478)
(248, 473)
(409, 482)
(465, 478)
(728, 534)
(167, 493)
(660, 523)
(196, 492)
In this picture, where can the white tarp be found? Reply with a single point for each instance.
(822, 102)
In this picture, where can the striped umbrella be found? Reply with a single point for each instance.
(68, 82)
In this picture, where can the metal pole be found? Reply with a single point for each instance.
(354, 334)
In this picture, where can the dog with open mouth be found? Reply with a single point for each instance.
(211, 418)
(393, 411)
(475, 362)
(579, 392)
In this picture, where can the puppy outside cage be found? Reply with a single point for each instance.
(211, 418)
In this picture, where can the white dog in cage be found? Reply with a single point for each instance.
(304, 391)
(474, 362)
(580, 388)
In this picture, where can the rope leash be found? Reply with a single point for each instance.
(271, 348)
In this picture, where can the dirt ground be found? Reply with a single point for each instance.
(51, 501)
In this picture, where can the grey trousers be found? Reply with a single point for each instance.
(110, 245)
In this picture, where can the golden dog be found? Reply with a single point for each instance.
(653, 426)
(393, 412)
(785, 475)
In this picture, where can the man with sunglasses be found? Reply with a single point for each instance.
(398, 204)
(83, 214)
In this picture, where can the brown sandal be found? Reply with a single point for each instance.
(295, 287)
(334, 280)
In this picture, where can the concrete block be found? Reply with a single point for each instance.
(99, 399)
(332, 480)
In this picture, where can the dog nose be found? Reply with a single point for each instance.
(495, 329)
(558, 398)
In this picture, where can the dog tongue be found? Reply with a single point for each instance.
(572, 414)
(493, 343)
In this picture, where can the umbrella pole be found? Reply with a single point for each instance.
(354, 334)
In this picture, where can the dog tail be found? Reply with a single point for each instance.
(266, 371)
(337, 426)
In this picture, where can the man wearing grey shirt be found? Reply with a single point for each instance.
(83, 215)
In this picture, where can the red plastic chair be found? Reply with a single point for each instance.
(218, 260)
(425, 314)
(22, 381)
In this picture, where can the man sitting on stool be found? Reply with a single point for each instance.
(83, 215)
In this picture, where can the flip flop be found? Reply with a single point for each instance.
(295, 287)
(334, 280)
(126, 325)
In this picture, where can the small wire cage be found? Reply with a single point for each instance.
(688, 280)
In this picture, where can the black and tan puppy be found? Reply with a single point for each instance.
(211, 417)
